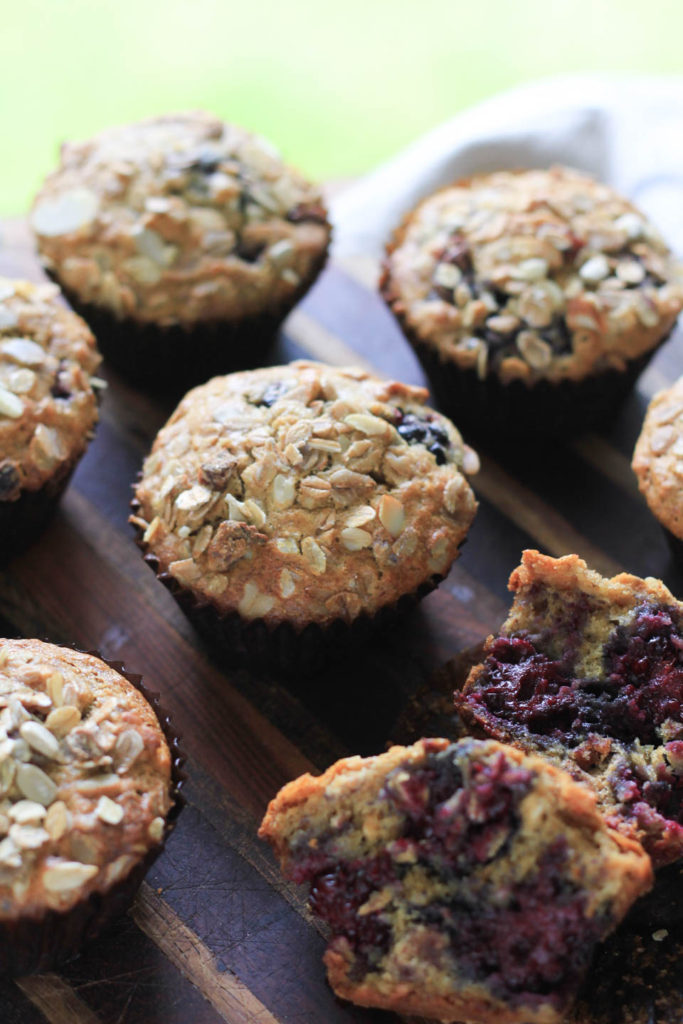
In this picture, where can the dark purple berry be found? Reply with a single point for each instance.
(415, 430)
(272, 393)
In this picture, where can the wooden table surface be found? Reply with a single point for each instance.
(215, 934)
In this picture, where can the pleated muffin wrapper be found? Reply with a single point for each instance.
(40, 943)
(282, 647)
(23, 519)
(675, 546)
(170, 360)
(493, 409)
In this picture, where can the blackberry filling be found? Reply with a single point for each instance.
(452, 826)
(249, 251)
(457, 254)
(313, 212)
(272, 393)
(60, 388)
(538, 944)
(9, 481)
(642, 686)
(337, 896)
(207, 161)
(627, 723)
(419, 430)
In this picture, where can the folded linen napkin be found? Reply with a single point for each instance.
(626, 130)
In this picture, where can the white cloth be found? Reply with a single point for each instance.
(626, 130)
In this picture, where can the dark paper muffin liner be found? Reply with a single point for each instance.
(170, 360)
(281, 647)
(24, 519)
(491, 408)
(32, 944)
(675, 546)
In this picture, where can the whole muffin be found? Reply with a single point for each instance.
(299, 500)
(588, 672)
(533, 298)
(463, 881)
(183, 240)
(658, 463)
(48, 406)
(88, 792)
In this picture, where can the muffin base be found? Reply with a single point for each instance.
(40, 943)
(23, 520)
(490, 408)
(282, 648)
(170, 360)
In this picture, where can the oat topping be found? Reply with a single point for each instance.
(48, 407)
(658, 458)
(305, 493)
(533, 274)
(84, 776)
(179, 219)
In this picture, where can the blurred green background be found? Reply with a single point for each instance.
(337, 85)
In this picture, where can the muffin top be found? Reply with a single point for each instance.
(532, 275)
(84, 777)
(305, 493)
(658, 458)
(48, 408)
(178, 220)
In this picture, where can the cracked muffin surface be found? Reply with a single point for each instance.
(463, 881)
(85, 778)
(588, 672)
(181, 219)
(532, 275)
(305, 493)
(48, 405)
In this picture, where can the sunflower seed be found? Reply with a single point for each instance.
(354, 539)
(127, 749)
(391, 514)
(62, 720)
(68, 212)
(108, 811)
(69, 874)
(34, 784)
(40, 739)
(10, 405)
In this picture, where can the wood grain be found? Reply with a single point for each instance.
(217, 934)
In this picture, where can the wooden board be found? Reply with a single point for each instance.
(215, 934)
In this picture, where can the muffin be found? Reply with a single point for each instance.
(89, 778)
(48, 406)
(533, 298)
(290, 507)
(463, 881)
(183, 241)
(588, 672)
(658, 463)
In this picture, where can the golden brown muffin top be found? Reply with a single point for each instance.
(658, 458)
(48, 409)
(540, 274)
(177, 220)
(305, 493)
(84, 777)
(468, 827)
